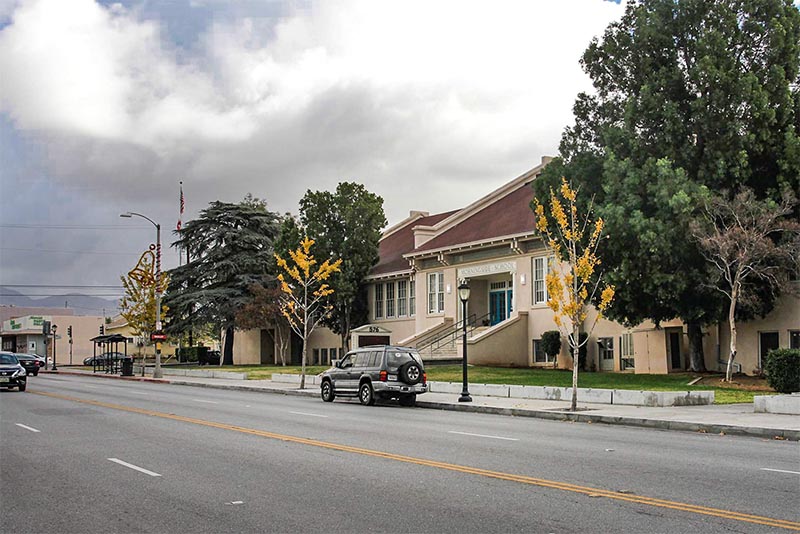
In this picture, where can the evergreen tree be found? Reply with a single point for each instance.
(345, 224)
(690, 96)
(231, 247)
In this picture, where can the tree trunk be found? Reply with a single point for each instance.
(305, 349)
(697, 360)
(576, 358)
(732, 324)
(227, 357)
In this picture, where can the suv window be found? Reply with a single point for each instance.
(394, 359)
(375, 358)
(360, 359)
(347, 361)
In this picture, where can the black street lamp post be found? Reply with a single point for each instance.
(53, 328)
(157, 373)
(463, 294)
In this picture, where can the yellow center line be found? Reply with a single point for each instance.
(564, 486)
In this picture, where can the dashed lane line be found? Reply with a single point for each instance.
(134, 467)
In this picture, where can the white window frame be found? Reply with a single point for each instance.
(378, 301)
(402, 298)
(412, 298)
(541, 266)
(435, 293)
(537, 343)
(626, 352)
(391, 303)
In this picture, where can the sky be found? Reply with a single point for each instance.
(106, 106)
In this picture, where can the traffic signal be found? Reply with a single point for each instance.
(69, 330)
(102, 330)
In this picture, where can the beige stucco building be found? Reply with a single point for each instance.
(492, 245)
(24, 334)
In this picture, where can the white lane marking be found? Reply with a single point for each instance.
(309, 414)
(139, 392)
(26, 427)
(134, 467)
(780, 471)
(88, 386)
(481, 435)
(207, 402)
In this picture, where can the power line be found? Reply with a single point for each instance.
(63, 286)
(31, 295)
(74, 226)
(72, 251)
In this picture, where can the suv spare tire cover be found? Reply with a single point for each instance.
(411, 373)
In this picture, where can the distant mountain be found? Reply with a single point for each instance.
(82, 304)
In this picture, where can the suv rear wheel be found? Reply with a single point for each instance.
(366, 395)
(411, 373)
(326, 391)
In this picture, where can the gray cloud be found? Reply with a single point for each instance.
(430, 110)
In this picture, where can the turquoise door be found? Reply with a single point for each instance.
(499, 306)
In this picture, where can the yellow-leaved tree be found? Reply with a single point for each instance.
(572, 281)
(304, 293)
(138, 305)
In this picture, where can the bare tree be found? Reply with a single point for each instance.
(749, 240)
(264, 311)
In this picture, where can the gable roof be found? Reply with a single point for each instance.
(509, 215)
(503, 214)
(400, 241)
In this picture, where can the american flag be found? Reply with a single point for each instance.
(180, 217)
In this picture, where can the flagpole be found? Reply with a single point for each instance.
(180, 222)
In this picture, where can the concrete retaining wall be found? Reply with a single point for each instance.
(589, 395)
(785, 404)
(287, 378)
(198, 373)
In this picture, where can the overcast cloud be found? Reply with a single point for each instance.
(104, 107)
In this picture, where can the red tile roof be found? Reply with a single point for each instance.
(392, 248)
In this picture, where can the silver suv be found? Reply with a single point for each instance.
(383, 371)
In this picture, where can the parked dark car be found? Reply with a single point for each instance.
(12, 374)
(210, 357)
(101, 359)
(382, 371)
(30, 362)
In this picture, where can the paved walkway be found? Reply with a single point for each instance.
(737, 419)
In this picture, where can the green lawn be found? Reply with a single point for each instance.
(540, 377)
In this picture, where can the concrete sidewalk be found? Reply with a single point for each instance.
(738, 419)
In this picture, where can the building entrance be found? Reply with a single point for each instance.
(500, 302)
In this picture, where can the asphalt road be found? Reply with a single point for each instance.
(81, 454)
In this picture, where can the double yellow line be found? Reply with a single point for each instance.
(522, 479)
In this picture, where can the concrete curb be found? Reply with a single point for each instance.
(707, 428)
(104, 375)
(582, 417)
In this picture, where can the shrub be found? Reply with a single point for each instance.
(582, 352)
(783, 370)
(551, 344)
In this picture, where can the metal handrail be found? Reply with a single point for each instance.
(450, 335)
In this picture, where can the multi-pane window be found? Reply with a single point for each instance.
(412, 298)
(436, 293)
(626, 351)
(402, 298)
(539, 355)
(323, 356)
(794, 339)
(379, 301)
(390, 302)
(539, 282)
